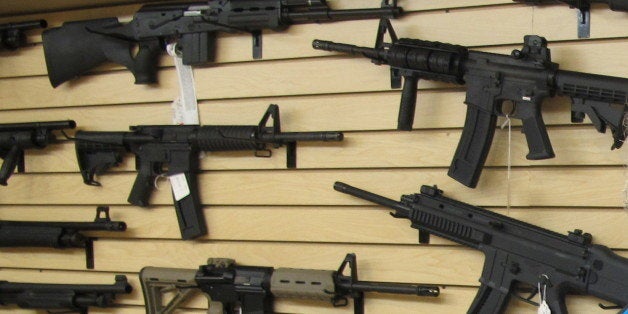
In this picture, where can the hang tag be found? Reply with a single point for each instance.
(179, 184)
(544, 308)
(185, 106)
(542, 287)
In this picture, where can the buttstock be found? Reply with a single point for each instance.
(158, 281)
(72, 50)
(78, 47)
(96, 152)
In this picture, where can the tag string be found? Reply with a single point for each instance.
(625, 190)
(508, 123)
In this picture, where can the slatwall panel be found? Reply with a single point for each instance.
(258, 212)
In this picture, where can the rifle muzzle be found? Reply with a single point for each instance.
(286, 137)
(372, 53)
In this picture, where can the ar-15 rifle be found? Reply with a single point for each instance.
(525, 78)
(228, 286)
(177, 147)
(73, 298)
(515, 252)
(16, 137)
(584, 10)
(58, 234)
(77, 47)
(12, 34)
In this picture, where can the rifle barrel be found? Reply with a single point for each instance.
(371, 197)
(373, 53)
(24, 25)
(393, 287)
(302, 136)
(52, 125)
(341, 15)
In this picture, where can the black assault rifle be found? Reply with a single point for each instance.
(58, 234)
(526, 77)
(515, 252)
(584, 10)
(16, 137)
(68, 297)
(251, 289)
(77, 47)
(177, 148)
(12, 34)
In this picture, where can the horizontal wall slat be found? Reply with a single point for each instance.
(341, 112)
(317, 224)
(536, 186)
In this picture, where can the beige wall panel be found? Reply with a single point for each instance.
(341, 112)
(251, 80)
(536, 186)
(262, 214)
(317, 224)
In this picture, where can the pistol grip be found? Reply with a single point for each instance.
(142, 189)
(489, 300)
(408, 103)
(473, 147)
(555, 299)
(539, 144)
(190, 212)
(144, 67)
(12, 159)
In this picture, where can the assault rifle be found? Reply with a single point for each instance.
(252, 289)
(77, 47)
(12, 34)
(177, 148)
(58, 234)
(584, 10)
(526, 78)
(515, 252)
(16, 137)
(72, 298)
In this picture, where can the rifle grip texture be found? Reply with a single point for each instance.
(489, 301)
(142, 189)
(11, 161)
(145, 66)
(539, 144)
(408, 103)
(473, 147)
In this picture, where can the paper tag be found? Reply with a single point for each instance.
(179, 184)
(185, 106)
(544, 308)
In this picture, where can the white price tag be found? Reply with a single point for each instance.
(544, 308)
(185, 106)
(180, 188)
